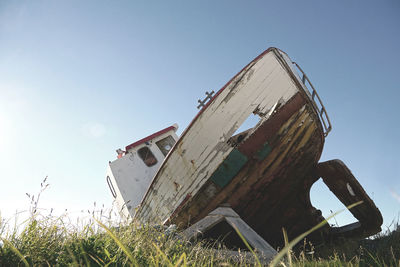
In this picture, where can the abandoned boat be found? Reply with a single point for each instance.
(264, 173)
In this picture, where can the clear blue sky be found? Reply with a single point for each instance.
(82, 78)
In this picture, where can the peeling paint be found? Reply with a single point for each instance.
(262, 172)
(229, 168)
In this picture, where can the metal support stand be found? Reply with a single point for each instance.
(225, 213)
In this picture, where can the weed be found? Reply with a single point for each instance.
(102, 241)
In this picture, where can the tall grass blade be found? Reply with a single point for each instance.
(285, 237)
(74, 260)
(119, 243)
(163, 255)
(96, 259)
(284, 251)
(374, 258)
(16, 251)
(246, 243)
(181, 258)
(84, 254)
(393, 256)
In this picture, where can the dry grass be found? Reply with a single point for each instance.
(100, 241)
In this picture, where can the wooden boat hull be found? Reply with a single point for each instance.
(265, 173)
(271, 190)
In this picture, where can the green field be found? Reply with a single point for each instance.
(47, 240)
(50, 241)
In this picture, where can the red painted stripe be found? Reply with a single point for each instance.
(148, 138)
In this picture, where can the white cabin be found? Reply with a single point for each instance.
(130, 175)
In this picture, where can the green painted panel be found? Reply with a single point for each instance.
(263, 152)
(229, 168)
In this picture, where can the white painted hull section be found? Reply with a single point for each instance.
(130, 177)
(130, 184)
(262, 85)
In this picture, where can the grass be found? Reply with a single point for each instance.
(100, 241)
(50, 242)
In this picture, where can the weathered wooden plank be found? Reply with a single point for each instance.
(202, 226)
(254, 239)
(260, 192)
(226, 211)
(229, 168)
(232, 218)
(259, 86)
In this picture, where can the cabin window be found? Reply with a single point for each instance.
(110, 185)
(148, 158)
(166, 144)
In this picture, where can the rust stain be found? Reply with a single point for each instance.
(177, 186)
(273, 193)
(268, 129)
(188, 196)
(268, 192)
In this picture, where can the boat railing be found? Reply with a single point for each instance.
(317, 102)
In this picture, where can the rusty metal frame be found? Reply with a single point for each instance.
(321, 112)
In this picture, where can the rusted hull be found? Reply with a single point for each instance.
(271, 191)
(261, 87)
(264, 173)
